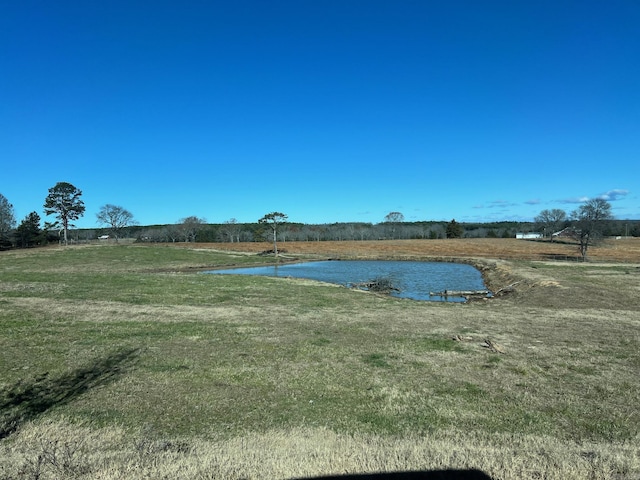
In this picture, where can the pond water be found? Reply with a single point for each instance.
(416, 280)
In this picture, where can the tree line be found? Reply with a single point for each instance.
(64, 201)
(233, 231)
(585, 225)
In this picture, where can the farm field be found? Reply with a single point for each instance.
(123, 361)
(623, 250)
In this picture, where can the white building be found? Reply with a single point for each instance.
(528, 236)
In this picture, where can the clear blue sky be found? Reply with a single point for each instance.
(326, 110)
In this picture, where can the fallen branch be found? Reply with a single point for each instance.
(494, 347)
(508, 288)
(460, 338)
(459, 293)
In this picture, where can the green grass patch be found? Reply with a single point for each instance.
(378, 360)
(439, 345)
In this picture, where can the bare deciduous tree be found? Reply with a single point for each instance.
(231, 230)
(189, 227)
(551, 221)
(589, 221)
(393, 219)
(116, 218)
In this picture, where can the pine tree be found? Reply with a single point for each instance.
(7, 221)
(64, 200)
(454, 229)
(28, 232)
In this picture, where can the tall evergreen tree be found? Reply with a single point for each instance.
(274, 220)
(64, 200)
(28, 232)
(454, 229)
(7, 221)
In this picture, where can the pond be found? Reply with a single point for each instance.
(415, 280)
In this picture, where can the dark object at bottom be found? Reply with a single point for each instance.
(415, 475)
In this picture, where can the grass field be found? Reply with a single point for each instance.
(123, 361)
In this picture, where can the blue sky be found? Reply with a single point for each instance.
(328, 111)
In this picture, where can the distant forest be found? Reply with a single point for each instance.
(194, 230)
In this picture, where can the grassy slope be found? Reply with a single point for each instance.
(190, 369)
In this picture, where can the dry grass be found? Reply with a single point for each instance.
(64, 450)
(624, 250)
(278, 378)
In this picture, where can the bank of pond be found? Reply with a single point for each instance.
(429, 281)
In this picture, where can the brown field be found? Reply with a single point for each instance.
(625, 250)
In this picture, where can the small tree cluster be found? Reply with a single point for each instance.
(64, 201)
(586, 224)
